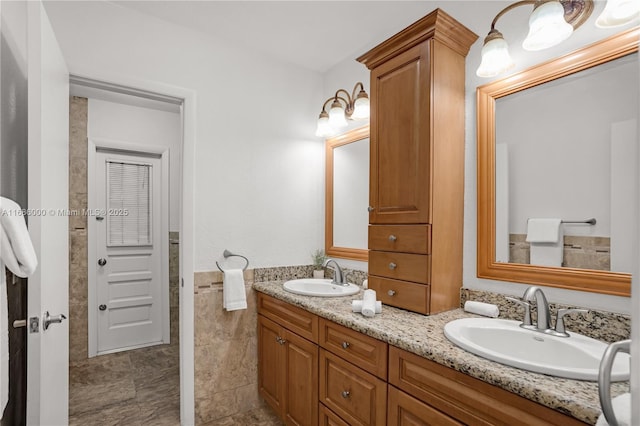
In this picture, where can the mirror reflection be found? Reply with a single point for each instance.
(565, 154)
(347, 195)
(561, 155)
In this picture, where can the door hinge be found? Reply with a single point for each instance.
(182, 282)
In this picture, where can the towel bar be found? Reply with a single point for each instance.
(227, 254)
(591, 221)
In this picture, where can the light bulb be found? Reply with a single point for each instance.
(495, 56)
(324, 129)
(618, 12)
(337, 118)
(547, 27)
(361, 108)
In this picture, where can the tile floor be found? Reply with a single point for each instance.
(138, 388)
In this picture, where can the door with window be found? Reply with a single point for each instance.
(131, 295)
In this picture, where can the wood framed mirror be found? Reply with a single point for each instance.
(547, 75)
(347, 195)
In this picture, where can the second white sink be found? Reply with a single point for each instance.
(319, 287)
(576, 357)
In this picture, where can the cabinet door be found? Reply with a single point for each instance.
(400, 170)
(301, 381)
(271, 363)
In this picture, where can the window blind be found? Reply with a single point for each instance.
(129, 208)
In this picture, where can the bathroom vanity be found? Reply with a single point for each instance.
(397, 368)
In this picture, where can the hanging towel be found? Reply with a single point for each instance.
(543, 230)
(234, 296)
(18, 254)
(17, 250)
(546, 241)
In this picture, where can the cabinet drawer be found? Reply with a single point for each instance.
(366, 352)
(400, 266)
(401, 294)
(467, 399)
(405, 410)
(329, 418)
(400, 238)
(356, 396)
(291, 317)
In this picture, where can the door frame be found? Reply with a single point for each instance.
(129, 148)
(187, 216)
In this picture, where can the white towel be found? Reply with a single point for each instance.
(369, 303)
(234, 296)
(356, 306)
(622, 410)
(546, 241)
(18, 254)
(481, 308)
(17, 251)
(543, 230)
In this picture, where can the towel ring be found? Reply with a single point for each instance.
(227, 254)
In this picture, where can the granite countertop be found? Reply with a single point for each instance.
(423, 335)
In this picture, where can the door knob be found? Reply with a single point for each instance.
(370, 209)
(102, 261)
(47, 320)
(102, 307)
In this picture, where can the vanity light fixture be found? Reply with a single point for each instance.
(353, 107)
(550, 23)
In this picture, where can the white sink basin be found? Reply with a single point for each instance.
(319, 287)
(576, 357)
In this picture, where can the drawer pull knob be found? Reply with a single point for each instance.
(280, 340)
(391, 292)
(345, 345)
(345, 394)
(370, 209)
(392, 266)
(392, 238)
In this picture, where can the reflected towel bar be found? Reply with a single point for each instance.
(227, 254)
(591, 221)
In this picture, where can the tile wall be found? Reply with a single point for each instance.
(226, 343)
(579, 251)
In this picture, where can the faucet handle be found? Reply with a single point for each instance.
(527, 309)
(560, 329)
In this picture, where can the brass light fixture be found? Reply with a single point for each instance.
(550, 23)
(352, 106)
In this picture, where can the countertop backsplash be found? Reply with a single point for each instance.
(606, 326)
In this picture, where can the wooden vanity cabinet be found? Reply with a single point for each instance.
(338, 376)
(457, 398)
(287, 363)
(417, 161)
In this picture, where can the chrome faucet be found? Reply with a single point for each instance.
(542, 306)
(338, 275)
(543, 323)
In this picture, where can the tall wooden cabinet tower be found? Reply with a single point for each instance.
(417, 164)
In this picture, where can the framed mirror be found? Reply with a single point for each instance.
(548, 154)
(347, 195)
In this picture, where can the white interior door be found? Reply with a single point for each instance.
(131, 293)
(48, 158)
